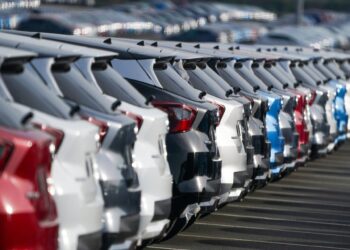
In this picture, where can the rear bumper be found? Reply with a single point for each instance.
(90, 241)
(161, 210)
(276, 168)
(291, 156)
(129, 225)
(239, 179)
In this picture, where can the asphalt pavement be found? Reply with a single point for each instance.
(309, 209)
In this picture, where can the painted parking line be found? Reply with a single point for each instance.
(306, 246)
(282, 219)
(272, 229)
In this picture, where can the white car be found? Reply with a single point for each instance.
(150, 151)
(77, 194)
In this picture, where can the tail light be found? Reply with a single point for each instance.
(181, 116)
(5, 153)
(103, 126)
(57, 134)
(221, 111)
(311, 98)
(137, 118)
(42, 200)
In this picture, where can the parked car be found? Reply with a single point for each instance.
(25, 181)
(72, 177)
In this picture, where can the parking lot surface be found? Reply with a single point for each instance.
(309, 209)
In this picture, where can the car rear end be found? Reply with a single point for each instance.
(117, 177)
(150, 153)
(26, 184)
(188, 154)
(72, 174)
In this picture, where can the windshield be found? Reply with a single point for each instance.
(27, 88)
(172, 81)
(113, 84)
(77, 89)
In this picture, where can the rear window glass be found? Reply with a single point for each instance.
(77, 89)
(115, 85)
(172, 81)
(27, 88)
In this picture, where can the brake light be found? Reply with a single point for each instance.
(137, 118)
(57, 134)
(5, 153)
(103, 126)
(42, 200)
(221, 111)
(181, 116)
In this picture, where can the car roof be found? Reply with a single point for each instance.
(124, 50)
(8, 53)
(35, 41)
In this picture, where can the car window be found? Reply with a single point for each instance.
(203, 82)
(267, 77)
(43, 25)
(27, 88)
(172, 81)
(115, 85)
(77, 89)
(219, 80)
(234, 79)
(278, 74)
(249, 76)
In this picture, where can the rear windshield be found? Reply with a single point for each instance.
(325, 71)
(77, 89)
(302, 76)
(335, 69)
(267, 77)
(234, 79)
(220, 81)
(10, 117)
(27, 88)
(113, 84)
(172, 81)
(250, 77)
(280, 75)
(202, 81)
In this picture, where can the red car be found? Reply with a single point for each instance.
(28, 218)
